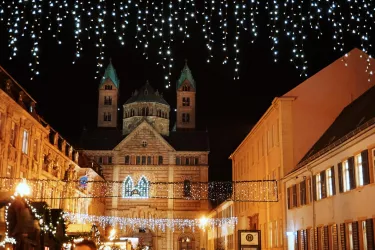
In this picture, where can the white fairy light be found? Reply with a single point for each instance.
(210, 33)
(223, 13)
(274, 18)
(77, 24)
(168, 51)
(153, 223)
(186, 20)
(236, 40)
(146, 28)
(100, 31)
(138, 25)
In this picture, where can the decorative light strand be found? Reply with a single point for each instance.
(77, 23)
(152, 223)
(236, 40)
(186, 20)
(100, 32)
(210, 33)
(147, 31)
(169, 51)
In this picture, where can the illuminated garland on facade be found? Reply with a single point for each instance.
(166, 22)
(157, 223)
(246, 191)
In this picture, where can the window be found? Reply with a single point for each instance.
(185, 117)
(346, 175)
(187, 188)
(127, 159)
(269, 140)
(25, 142)
(178, 160)
(107, 87)
(144, 144)
(109, 159)
(330, 180)
(186, 101)
(358, 170)
(13, 134)
(318, 187)
(149, 160)
(350, 235)
(187, 161)
(138, 158)
(107, 117)
(185, 88)
(35, 149)
(160, 160)
(107, 100)
(100, 159)
(9, 171)
(128, 187)
(143, 187)
(294, 192)
(196, 161)
(364, 234)
(143, 160)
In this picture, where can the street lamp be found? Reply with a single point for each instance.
(203, 222)
(22, 189)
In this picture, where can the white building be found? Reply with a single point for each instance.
(329, 199)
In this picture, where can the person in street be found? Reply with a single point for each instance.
(85, 245)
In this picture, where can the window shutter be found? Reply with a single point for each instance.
(289, 202)
(302, 192)
(325, 238)
(365, 167)
(302, 240)
(341, 186)
(370, 234)
(335, 243)
(305, 247)
(316, 238)
(323, 184)
(351, 172)
(314, 187)
(355, 235)
(342, 236)
(333, 180)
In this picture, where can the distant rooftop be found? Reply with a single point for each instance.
(146, 94)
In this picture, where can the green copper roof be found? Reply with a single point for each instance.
(110, 73)
(185, 75)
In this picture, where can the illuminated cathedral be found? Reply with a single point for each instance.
(145, 150)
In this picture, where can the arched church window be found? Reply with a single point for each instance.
(146, 111)
(186, 101)
(143, 160)
(138, 160)
(149, 160)
(127, 187)
(187, 188)
(143, 187)
(178, 160)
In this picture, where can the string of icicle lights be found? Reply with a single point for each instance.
(152, 223)
(241, 191)
(165, 22)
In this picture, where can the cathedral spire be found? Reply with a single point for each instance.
(186, 75)
(110, 73)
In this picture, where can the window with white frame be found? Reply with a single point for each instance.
(358, 170)
(140, 190)
(25, 141)
(330, 181)
(364, 234)
(318, 187)
(346, 175)
(350, 235)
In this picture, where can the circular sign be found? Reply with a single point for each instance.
(249, 237)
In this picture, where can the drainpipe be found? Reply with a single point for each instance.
(313, 201)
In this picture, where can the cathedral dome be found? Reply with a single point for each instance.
(146, 94)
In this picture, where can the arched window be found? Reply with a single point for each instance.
(127, 159)
(128, 187)
(143, 187)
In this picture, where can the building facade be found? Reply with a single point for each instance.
(31, 149)
(220, 237)
(328, 201)
(145, 151)
(284, 134)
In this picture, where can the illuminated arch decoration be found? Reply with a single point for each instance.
(141, 190)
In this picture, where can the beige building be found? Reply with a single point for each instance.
(31, 149)
(284, 134)
(329, 195)
(144, 151)
(220, 236)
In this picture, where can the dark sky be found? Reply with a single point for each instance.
(67, 93)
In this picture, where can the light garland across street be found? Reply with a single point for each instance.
(152, 223)
(240, 191)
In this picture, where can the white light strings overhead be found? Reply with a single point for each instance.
(301, 20)
(152, 223)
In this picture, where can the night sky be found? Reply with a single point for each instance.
(67, 93)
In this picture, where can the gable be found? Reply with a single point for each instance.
(144, 139)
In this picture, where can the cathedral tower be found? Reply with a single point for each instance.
(186, 90)
(108, 98)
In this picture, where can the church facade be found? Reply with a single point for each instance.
(145, 150)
